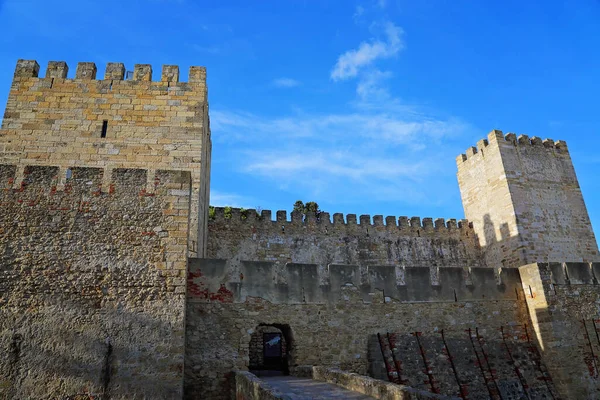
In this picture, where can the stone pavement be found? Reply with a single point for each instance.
(306, 388)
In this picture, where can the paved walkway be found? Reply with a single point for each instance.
(305, 388)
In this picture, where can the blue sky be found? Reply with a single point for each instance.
(361, 106)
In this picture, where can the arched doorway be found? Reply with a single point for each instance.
(270, 346)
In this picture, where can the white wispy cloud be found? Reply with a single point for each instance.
(358, 12)
(351, 62)
(410, 129)
(330, 155)
(285, 83)
(223, 199)
(381, 148)
(370, 88)
(340, 164)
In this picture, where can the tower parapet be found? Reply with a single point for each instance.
(524, 199)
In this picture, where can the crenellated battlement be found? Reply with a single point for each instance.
(517, 190)
(118, 120)
(496, 136)
(87, 71)
(251, 216)
(52, 180)
(236, 281)
(341, 239)
(572, 273)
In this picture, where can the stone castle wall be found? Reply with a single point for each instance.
(524, 200)
(328, 320)
(563, 301)
(92, 284)
(104, 188)
(58, 121)
(399, 242)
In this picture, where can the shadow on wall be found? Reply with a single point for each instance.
(499, 252)
(64, 347)
(471, 363)
(85, 308)
(562, 301)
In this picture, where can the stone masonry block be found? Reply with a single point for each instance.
(303, 283)
(197, 75)
(86, 70)
(596, 271)
(27, 69)
(142, 72)
(579, 273)
(453, 284)
(418, 285)
(558, 273)
(114, 71)
(170, 73)
(57, 69)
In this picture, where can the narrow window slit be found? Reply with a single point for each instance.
(104, 128)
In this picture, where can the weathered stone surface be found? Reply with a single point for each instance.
(308, 389)
(234, 235)
(91, 291)
(58, 121)
(248, 387)
(336, 335)
(372, 387)
(565, 327)
(525, 202)
(294, 283)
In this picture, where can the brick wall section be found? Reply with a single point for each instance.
(152, 125)
(563, 302)
(400, 241)
(524, 200)
(92, 284)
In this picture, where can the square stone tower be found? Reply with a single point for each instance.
(114, 122)
(524, 200)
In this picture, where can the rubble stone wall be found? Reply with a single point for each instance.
(238, 236)
(328, 320)
(92, 284)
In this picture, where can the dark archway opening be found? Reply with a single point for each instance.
(271, 347)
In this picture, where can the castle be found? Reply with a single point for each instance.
(116, 283)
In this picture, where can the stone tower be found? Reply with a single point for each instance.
(104, 192)
(524, 200)
(112, 123)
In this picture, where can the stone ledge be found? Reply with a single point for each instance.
(375, 388)
(250, 387)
